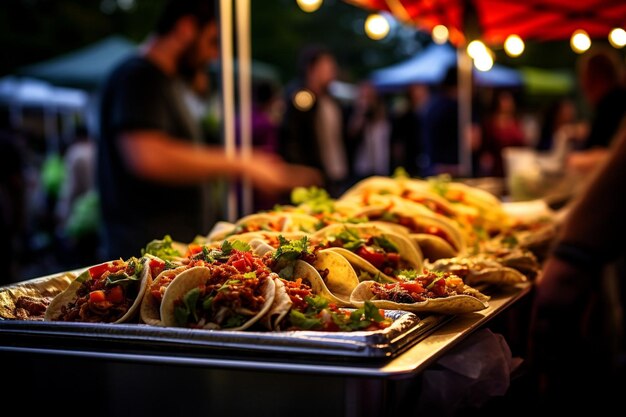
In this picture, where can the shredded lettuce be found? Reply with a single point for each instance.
(317, 199)
(187, 308)
(161, 248)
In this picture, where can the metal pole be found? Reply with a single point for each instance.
(244, 55)
(228, 97)
(465, 111)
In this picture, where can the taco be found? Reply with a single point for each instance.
(374, 252)
(429, 292)
(107, 293)
(198, 255)
(150, 309)
(433, 247)
(419, 221)
(479, 270)
(297, 307)
(329, 274)
(222, 297)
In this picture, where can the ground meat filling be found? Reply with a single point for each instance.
(30, 308)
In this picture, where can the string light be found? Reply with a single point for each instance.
(376, 27)
(440, 34)
(617, 38)
(483, 62)
(514, 46)
(476, 48)
(580, 41)
(309, 6)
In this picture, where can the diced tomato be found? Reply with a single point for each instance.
(375, 258)
(115, 295)
(192, 249)
(240, 264)
(156, 266)
(97, 296)
(440, 287)
(412, 287)
(97, 271)
(393, 257)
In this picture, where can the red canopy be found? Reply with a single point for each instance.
(496, 19)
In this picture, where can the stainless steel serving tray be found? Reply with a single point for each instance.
(406, 330)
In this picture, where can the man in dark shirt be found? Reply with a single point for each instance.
(601, 79)
(152, 166)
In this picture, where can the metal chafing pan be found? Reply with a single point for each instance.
(405, 331)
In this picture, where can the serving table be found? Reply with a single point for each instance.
(70, 370)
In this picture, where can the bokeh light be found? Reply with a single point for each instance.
(483, 62)
(440, 34)
(580, 41)
(309, 6)
(476, 48)
(376, 27)
(303, 100)
(617, 37)
(514, 46)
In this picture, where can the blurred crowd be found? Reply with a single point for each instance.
(304, 133)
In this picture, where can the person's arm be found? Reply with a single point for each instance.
(153, 155)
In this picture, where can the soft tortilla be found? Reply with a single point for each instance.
(456, 304)
(150, 310)
(69, 295)
(196, 276)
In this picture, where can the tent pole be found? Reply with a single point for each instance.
(228, 97)
(244, 54)
(465, 112)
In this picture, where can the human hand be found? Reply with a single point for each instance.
(271, 175)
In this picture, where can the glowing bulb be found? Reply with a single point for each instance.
(309, 6)
(617, 37)
(483, 62)
(440, 34)
(580, 41)
(303, 100)
(476, 48)
(376, 26)
(514, 46)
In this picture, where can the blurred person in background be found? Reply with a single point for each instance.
(601, 75)
(561, 117)
(79, 160)
(441, 128)
(368, 134)
(12, 203)
(407, 145)
(579, 322)
(312, 132)
(152, 166)
(77, 205)
(501, 129)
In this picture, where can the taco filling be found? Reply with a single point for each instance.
(413, 226)
(108, 292)
(232, 295)
(416, 288)
(313, 312)
(379, 251)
